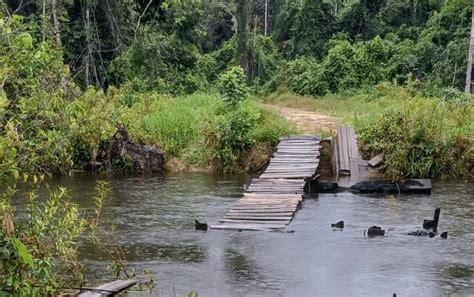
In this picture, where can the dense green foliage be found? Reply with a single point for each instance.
(72, 70)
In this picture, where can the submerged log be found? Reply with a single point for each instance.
(141, 158)
(421, 233)
(388, 186)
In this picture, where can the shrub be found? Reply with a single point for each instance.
(233, 86)
(423, 137)
(306, 77)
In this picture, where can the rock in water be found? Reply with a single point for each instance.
(200, 226)
(339, 224)
(375, 231)
(444, 235)
(141, 158)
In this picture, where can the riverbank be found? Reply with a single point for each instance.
(420, 136)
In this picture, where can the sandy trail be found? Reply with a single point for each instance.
(307, 121)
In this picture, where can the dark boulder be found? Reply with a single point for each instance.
(444, 235)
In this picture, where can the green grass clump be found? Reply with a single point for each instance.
(203, 130)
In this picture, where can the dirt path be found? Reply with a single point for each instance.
(307, 121)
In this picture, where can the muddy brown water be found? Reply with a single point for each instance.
(153, 219)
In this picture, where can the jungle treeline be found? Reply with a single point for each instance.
(71, 70)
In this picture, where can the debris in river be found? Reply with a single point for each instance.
(200, 226)
(421, 233)
(375, 231)
(339, 225)
(444, 235)
(432, 224)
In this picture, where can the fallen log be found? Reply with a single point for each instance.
(125, 154)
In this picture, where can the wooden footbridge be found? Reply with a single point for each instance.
(271, 200)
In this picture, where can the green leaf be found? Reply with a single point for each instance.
(23, 252)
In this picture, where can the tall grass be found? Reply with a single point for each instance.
(202, 131)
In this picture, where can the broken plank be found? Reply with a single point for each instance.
(375, 161)
(108, 289)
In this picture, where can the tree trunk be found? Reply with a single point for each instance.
(266, 17)
(469, 57)
(57, 31)
(44, 20)
(243, 19)
(87, 23)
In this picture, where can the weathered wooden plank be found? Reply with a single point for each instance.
(247, 226)
(297, 150)
(261, 211)
(274, 187)
(270, 208)
(290, 170)
(254, 222)
(277, 181)
(375, 161)
(276, 175)
(271, 196)
(295, 154)
(109, 289)
(279, 185)
(344, 164)
(268, 200)
(289, 161)
(291, 166)
(352, 141)
(257, 218)
(276, 191)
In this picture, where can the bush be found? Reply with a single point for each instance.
(422, 137)
(233, 86)
(306, 77)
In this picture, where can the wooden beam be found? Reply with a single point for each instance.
(108, 289)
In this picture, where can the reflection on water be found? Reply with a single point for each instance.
(154, 219)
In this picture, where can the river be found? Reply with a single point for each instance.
(154, 223)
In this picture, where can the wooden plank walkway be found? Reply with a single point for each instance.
(108, 289)
(271, 200)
